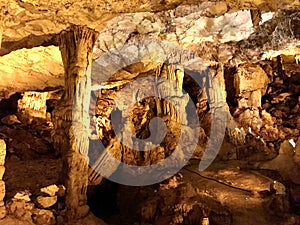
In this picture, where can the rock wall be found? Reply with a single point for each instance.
(172, 109)
(33, 104)
(2, 184)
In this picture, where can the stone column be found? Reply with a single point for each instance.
(71, 117)
(2, 184)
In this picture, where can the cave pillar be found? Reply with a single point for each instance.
(216, 91)
(71, 117)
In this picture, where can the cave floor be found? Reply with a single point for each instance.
(31, 175)
(228, 192)
(245, 193)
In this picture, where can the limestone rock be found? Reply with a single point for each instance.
(43, 217)
(278, 188)
(3, 212)
(61, 191)
(21, 209)
(2, 152)
(2, 190)
(54, 190)
(25, 119)
(219, 8)
(2, 171)
(39, 68)
(50, 190)
(46, 202)
(33, 104)
(23, 195)
(251, 83)
(10, 120)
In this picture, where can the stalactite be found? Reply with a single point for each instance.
(33, 104)
(174, 103)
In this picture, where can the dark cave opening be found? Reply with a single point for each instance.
(231, 99)
(9, 105)
(103, 200)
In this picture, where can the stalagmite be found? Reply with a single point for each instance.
(71, 117)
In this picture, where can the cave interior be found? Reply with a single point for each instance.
(149, 113)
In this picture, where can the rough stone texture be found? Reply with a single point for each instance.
(10, 120)
(215, 31)
(225, 38)
(2, 171)
(23, 195)
(43, 217)
(3, 212)
(36, 69)
(2, 184)
(147, 108)
(2, 190)
(46, 202)
(269, 111)
(72, 123)
(28, 143)
(21, 210)
(33, 104)
(297, 152)
(251, 83)
(204, 195)
(25, 18)
(50, 190)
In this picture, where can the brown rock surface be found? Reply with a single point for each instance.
(46, 202)
(262, 59)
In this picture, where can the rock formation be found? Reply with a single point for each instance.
(218, 75)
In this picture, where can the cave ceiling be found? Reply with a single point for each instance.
(219, 32)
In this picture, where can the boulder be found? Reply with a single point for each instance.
(10, 120)
(20, 209)
(23, 195)
(46, 202)
(43, 217)
(50, 190)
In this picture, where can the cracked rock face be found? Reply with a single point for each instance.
(39, 17)
(31, 69)
(213, 33)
